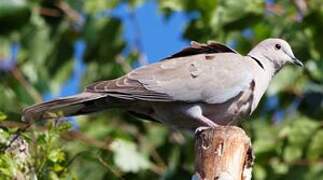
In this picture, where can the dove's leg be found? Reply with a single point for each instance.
(196, 113)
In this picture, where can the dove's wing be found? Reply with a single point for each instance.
(199, 48)
(207, 77)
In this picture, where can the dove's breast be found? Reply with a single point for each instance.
(233, 110)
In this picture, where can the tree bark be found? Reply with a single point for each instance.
(223, 153)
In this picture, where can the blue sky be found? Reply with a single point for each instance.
(159, 37)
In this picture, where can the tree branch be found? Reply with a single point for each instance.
(223, 153)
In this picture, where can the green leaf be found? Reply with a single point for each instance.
(56, 156)
(4, 137)
(285, 79)
(263, 131)
(315, 69)
(301, 130)
(7, 166)
(127, 158)
(13, 15)
(95, 6)
(64, 127)
(2, 116)
(278, 166)
(226, 12)
(135, 3)
(292, 153)
(157, 135)
(104, 40)
(259, 172)
(4, 49)
(315, 149)
(173, 5)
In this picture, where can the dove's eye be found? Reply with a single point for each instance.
(277, 46)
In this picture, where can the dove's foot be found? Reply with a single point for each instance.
(201, 129)
(208, 122)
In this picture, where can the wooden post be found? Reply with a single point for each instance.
(223, 153)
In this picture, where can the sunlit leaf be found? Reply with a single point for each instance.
(95, 6)
(292, 153)
(315, 150)
(2, 116)
(56, 156)
(127, 157)
(301, 131)
(278, 166)
(315, 69)
(284, 80)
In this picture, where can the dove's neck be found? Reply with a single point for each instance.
(264, 71)
(265, 62)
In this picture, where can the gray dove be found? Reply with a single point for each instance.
(202, 85)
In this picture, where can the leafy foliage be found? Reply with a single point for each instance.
(44, 160)
(38, 42)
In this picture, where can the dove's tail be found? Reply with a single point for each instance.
(83, 103)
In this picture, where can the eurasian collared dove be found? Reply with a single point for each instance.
(202, 85)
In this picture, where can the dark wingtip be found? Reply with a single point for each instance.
(200, 48)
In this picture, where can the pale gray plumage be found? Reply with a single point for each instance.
(202, 85)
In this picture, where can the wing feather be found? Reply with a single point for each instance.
(189, 78)
(199, 48)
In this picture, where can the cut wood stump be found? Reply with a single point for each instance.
(223, 153)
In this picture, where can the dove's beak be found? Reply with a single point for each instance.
(297, 62)
(294, 59)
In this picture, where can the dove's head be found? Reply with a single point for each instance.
(274, 53)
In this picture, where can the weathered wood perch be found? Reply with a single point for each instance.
(223, 153)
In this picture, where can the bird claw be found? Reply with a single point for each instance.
(201, 129)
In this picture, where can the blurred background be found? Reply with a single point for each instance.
(53, 48)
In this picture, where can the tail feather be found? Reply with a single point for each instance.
(83, 103)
